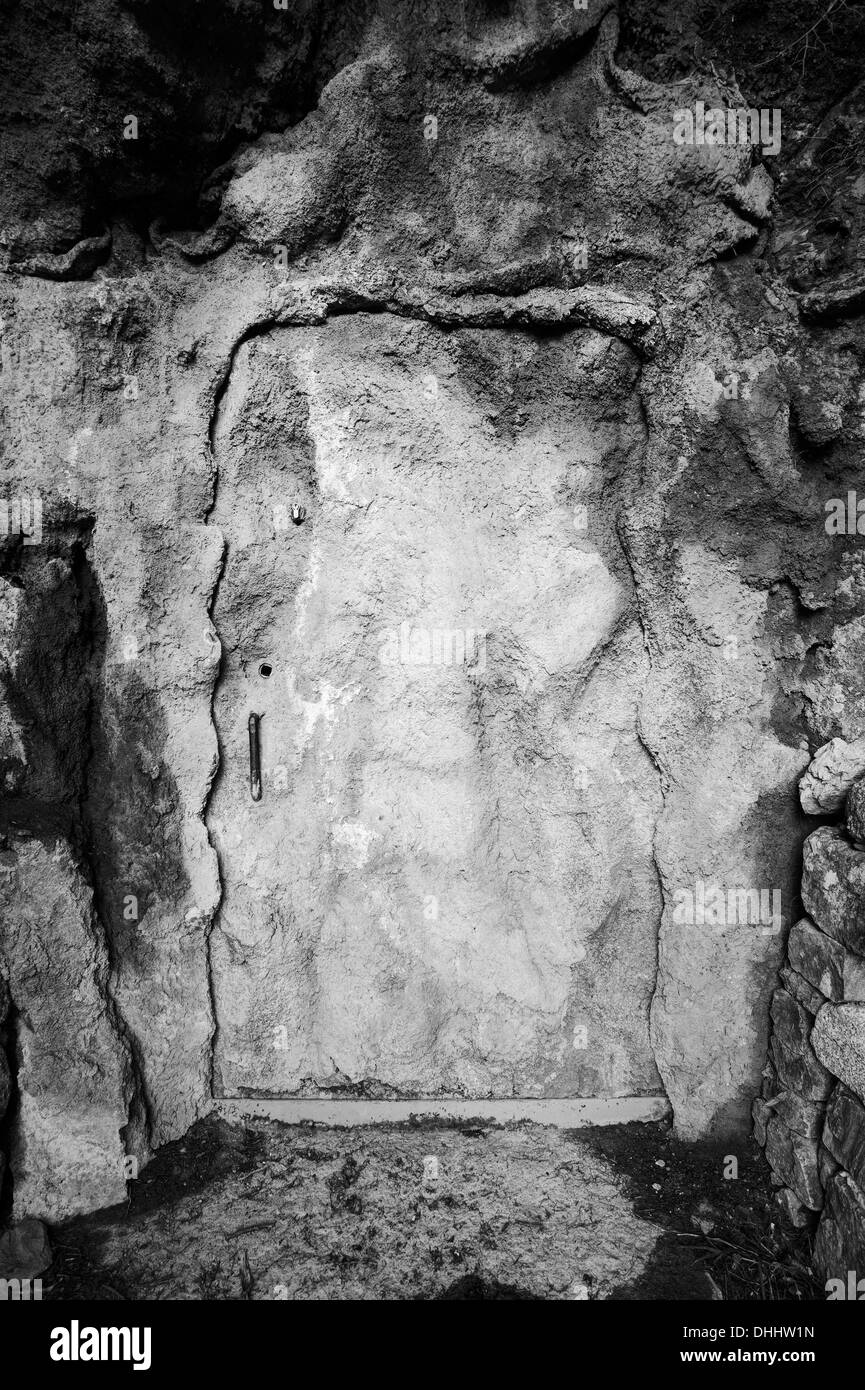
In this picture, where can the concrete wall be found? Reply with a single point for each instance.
(532, 372)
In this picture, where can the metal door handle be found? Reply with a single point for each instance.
(254, 758)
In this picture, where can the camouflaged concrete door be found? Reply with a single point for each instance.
(447, 886)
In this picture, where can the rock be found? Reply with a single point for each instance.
(838, 1040)
(844, 1133)
(856, 813)
(831, 773)
(817, 958)
(73, 1081)
(795, 1211)
(840, 1243)
(705, 1218)
(793, 1158)
(762, 1114)
(824, 963)
(801, 1116)
(801, 1072)
(833, 887)
(792, 1023)
(5, 1084)
(771, 1086)
(853, 979)
(827, 1166)
(822, 396)
(802, 991)
(24, 1250)
(841, 297)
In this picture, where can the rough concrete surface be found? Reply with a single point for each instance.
(596, 482)
(450, 875)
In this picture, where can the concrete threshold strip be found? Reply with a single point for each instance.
(564, 1114)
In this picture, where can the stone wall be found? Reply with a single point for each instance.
(810, 1116)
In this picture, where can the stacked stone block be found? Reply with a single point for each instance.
(810, 1116)
(5, 1079)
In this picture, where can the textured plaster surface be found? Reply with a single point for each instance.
(454, 870)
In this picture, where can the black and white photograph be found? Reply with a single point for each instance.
(432, 671)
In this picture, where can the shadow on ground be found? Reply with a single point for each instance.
(432, 1211)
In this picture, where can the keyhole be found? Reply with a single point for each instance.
(265, 669)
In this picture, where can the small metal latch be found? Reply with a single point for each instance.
(254, 758)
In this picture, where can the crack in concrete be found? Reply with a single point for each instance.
(254, 330)
(80, 262)
(140, 1124)
(624, 317)
(651, 753)
(208, 952)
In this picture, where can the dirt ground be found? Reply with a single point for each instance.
(430, 1211)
